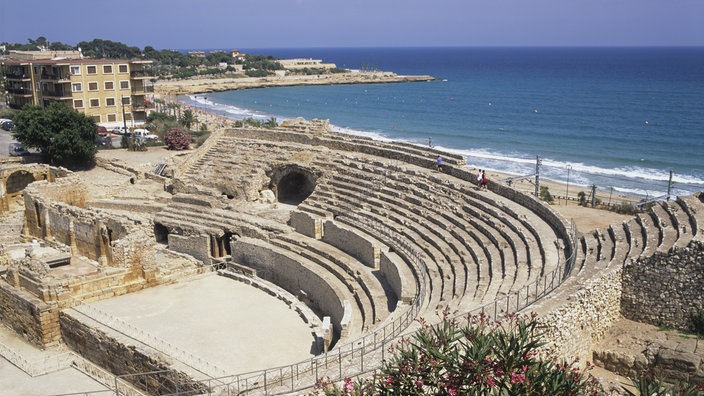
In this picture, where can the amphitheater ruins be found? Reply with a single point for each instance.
(357, 237)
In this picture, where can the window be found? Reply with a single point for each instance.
(125, 100)
(124, 84)
(76, 87)
(75, 70)
(109, 101)
(77, 104)
(112, 118)
(109, 85)
(107, 69)
(95, 102)
(92, 69)
(122, 68)
(92, 86)
(96, 118)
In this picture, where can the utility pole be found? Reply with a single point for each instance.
(567, 190)
(593, 195)
(537, 175)
(669, 187)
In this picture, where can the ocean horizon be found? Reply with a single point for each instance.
(620, 118)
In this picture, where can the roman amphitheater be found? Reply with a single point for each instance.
(198, 272)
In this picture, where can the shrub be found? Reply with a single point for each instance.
(480, 358)
(545, 194)
(177, 139)
(698, 323)
(650, 384)
(625, 208)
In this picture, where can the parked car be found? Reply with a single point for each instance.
(144, 134)
(102, 130)
(17, 150)
(6, 124)
(120, 131)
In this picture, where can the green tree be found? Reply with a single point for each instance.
(187, 119)
(62, 135)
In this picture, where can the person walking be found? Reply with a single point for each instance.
(439, 163)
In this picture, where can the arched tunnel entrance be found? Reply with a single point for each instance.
(294, 184)
(18, 181)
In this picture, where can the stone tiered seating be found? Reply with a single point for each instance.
(692, 205)
(372, 293)
(466, 234)
(680, 221)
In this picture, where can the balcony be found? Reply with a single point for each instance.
(56, 77)
(136, 91)
(18, 77)
(19, 91)
(140, 74)
(57, 94)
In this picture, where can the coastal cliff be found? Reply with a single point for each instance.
(203, 85)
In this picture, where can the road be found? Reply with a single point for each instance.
(5, 140)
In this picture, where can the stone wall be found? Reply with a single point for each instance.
(665, 288)
(119, 358)
(197, 246)
(29, 317)
(577, 315)
(290, 275)
(350, 242)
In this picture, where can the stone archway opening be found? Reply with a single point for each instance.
(161, 233)
(17, 181)
(293, 184)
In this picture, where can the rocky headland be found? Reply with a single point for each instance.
(203, 85)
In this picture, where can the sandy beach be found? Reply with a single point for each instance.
(586, 218)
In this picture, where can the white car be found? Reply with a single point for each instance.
(144, 134)
(120, 131)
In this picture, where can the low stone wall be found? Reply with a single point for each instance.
(352, 243)
(119, 358)
(401, 283)
(666, 288)
(29, 317)
(291, 276)
(197, 246)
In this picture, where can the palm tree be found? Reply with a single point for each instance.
(188, 118)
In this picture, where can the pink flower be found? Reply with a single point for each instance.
(419, 383)
(389, 380)
(452, 391)
(349, 386)
(491, 382)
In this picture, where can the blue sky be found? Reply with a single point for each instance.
(180, 24)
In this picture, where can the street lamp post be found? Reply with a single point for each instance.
(567, 191)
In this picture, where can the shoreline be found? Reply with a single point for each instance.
(207, 85)
(586, 218)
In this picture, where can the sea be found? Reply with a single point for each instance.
(629, 121)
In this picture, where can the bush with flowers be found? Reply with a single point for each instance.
(479, 358)
(177, 139)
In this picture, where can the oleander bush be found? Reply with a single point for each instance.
(480, 358)
(177, 139)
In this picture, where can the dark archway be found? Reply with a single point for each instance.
(161, 233)
(293, 184)
(18, 181)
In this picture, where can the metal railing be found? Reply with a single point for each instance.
(368, 353)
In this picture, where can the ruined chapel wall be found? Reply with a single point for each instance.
(665, 288)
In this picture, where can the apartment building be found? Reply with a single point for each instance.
(111, 91)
